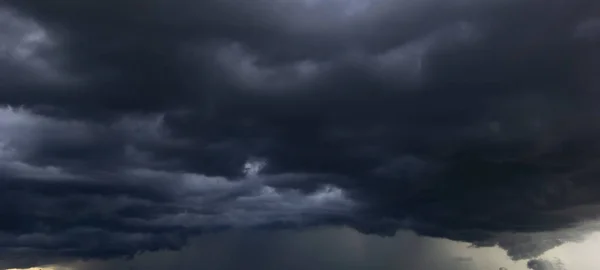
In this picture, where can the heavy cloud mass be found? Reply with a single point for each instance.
(127, 126)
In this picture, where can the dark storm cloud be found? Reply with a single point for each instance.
(130, 124)
(545, 265)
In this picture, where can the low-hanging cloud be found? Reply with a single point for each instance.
(127, 126)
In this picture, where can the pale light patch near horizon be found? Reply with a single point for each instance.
(49, 267)
(573, 255)
(579, 256)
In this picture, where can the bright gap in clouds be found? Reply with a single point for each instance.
(579, 256)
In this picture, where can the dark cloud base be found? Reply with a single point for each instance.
(127, 126)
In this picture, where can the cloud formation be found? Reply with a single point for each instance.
(545, 265)
(127, 126)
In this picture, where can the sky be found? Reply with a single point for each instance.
(339, 248)
(167, 127)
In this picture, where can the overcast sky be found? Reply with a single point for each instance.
(339, 248)
(129, 126)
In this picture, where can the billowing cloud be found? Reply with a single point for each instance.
(128, 126)
(545, 265)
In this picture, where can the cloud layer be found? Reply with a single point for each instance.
(127, 126)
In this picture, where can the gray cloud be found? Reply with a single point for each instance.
(129, 126)
(545, 265)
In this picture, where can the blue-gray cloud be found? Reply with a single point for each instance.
(128, 126)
